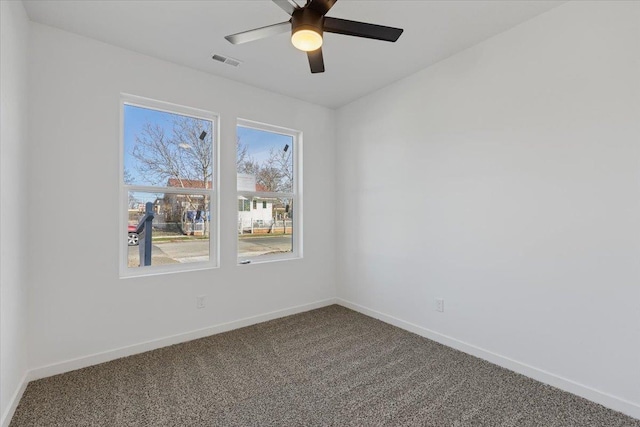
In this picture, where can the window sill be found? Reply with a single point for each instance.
(264, 259)
(133, 273)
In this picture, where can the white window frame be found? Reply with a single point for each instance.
(213, 192)
(295, 195)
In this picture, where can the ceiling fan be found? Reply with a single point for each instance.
(308, 23)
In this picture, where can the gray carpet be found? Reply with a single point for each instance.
(327, 367)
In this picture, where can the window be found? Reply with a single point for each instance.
(269, 172)
(168, 182)
(243, 205)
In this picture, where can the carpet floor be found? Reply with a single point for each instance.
(326, 367)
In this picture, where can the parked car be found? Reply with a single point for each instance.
(132, 236)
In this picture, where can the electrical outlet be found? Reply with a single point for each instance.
(200, 301)
(440, 304)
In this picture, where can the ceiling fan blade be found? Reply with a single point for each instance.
(285, 5)
(315, 61)
(361, 29)
(321, 6)
(259, 33)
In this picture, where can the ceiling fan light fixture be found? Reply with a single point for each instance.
(306, 40)
(306, 30)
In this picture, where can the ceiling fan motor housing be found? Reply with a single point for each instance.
(306, 19)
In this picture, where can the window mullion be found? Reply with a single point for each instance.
(266, 195)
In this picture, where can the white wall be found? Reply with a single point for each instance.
(79, 306)
(505, 180)
(14, 36)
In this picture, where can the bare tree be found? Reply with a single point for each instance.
(275, 174)
(196, 145)
(269, 178)
(242, 156)
(245, 163)
(282, 161)
(181, 157)
(128, 178)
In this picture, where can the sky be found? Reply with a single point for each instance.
(258, 142)
(134, 121)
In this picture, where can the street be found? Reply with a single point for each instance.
(194, 250)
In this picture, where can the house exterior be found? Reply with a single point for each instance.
(255, 214)
(190, 211)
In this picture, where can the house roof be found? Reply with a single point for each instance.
(187, 183)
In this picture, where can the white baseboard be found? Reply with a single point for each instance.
(605, 399)
(106, 356)
(13, 403)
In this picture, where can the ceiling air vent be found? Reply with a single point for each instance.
(226, 60)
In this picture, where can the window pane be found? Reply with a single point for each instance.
(167, 149)
(180, 228)
(264, 161)
(263, 232)
(243, 204)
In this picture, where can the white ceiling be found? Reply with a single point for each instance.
(190, 32)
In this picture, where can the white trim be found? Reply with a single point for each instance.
(214, 222)
(106, 356)
(167, 190)
(605, 399)
(265, 195)
(13, 402)
(166, 107)
(246, 123)
(298, 212)
(266, 259)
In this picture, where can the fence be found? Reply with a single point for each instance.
(259, 226)
(194, 228)
(195, 222)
